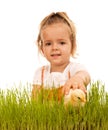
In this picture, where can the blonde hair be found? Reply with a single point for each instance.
(58, 17)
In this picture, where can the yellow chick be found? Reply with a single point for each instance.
(75, 98)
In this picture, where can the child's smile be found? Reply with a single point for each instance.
(55, 55)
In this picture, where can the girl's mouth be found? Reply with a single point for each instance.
(55, 55)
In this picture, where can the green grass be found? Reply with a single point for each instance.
(19, 112)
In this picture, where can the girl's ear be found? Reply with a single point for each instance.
(42, 51)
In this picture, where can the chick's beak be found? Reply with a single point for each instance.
(83, 100)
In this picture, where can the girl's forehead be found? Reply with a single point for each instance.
(56, 25)
(58, 29)
(55, 32)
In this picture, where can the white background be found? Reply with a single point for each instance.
(19, 21)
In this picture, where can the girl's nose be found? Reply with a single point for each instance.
(55, 46)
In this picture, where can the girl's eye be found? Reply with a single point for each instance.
(62, 43)
(47, 44)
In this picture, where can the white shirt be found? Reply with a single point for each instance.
(56, 79)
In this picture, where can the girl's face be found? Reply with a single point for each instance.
(56, 44)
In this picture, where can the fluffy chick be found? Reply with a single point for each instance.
(75, 98)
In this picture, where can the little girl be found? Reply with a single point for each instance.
(57, 42)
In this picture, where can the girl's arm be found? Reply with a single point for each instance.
(80, 80)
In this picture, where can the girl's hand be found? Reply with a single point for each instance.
(74, 82)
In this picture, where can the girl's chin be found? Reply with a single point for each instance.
(56, 63)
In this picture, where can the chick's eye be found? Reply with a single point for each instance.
(79, 98)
